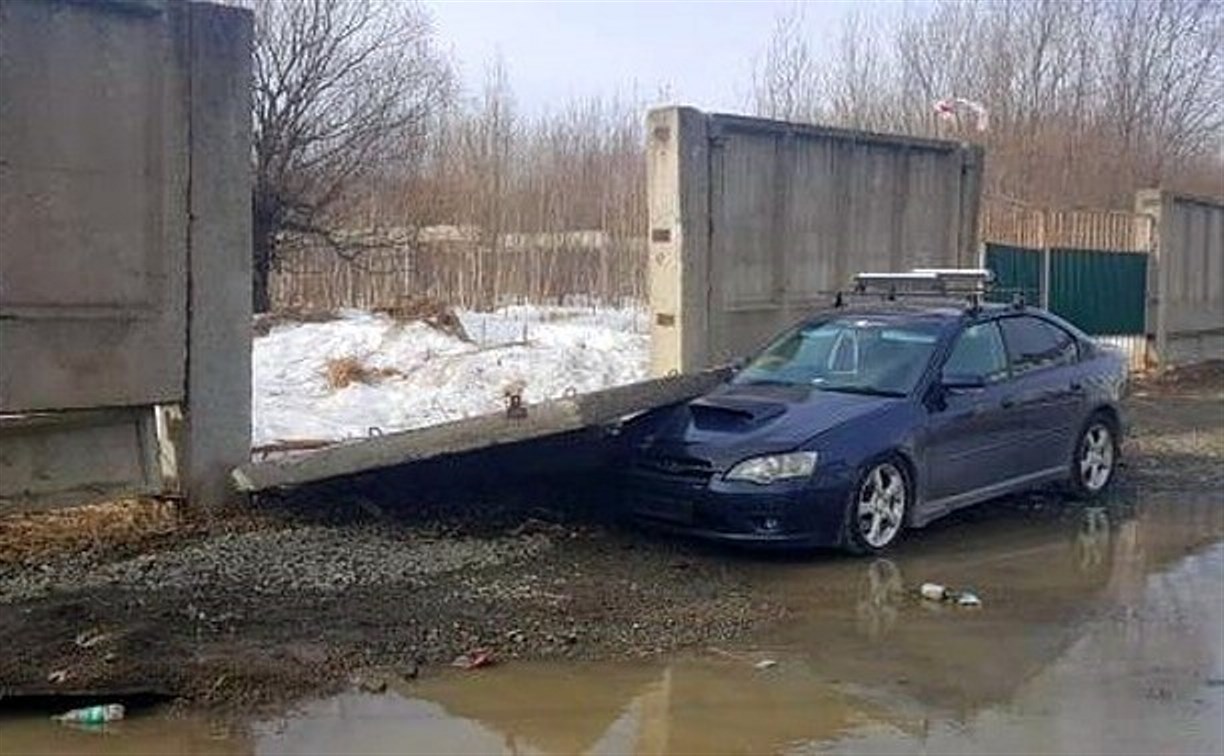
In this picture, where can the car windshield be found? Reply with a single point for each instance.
(853, 355)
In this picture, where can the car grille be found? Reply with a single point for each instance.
(686, 469)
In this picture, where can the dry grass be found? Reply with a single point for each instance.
(346, 371)
(1209, 374)
(23, 536)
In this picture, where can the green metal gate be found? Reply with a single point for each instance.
(1103, 292)
(1017, 273)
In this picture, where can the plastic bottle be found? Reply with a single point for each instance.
(93, 714)
(969, 599)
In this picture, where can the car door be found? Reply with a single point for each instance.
(1042, 358)
(972, 432)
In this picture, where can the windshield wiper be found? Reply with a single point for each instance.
(865, 390)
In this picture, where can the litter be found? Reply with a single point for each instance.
(766, 664)
(474, 659)
(93, 714)
(937, 592)
(968, 599)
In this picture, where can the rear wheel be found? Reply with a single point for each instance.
(878, 507)
(1095, 458)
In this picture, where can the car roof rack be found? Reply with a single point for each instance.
(944, 283)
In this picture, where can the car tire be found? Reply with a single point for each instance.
(1094, 459)
(878, 507)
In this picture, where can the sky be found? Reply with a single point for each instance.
(690, 53)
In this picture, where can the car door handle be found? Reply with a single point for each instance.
(1077, 387)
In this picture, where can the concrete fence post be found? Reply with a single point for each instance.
(678, 181)
(1151, 202)
(969, 203)
(218, 406)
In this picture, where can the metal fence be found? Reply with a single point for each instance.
(1090, 267)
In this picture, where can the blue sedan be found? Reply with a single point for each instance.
(862, 422)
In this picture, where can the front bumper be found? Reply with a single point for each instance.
(800, 513)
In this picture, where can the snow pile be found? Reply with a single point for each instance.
(428, 377)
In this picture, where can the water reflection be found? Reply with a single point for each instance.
(154, 734)
(1099, 633)
(1092, 539)
(881, 591)
(1100, 630)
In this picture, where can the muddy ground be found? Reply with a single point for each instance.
(397, 576)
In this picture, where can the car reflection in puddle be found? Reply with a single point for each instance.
(1101, 630)
(1098, 632)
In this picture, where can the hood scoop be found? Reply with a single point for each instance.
(732, 413)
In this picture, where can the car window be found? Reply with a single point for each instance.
(978, 351)
(1033, 344)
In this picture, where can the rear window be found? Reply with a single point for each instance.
(979, 351)
(1033, 344)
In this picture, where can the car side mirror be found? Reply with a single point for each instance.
(963, 381)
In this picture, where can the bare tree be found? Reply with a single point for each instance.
(786, 80)
(343, 89)
(1164, 81)
(859, 81)
(1087, 101)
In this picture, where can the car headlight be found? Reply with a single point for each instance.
(767, 469)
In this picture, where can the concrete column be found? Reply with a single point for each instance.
(678, 180)
(218, 407)
(973, 165)
(1151, 202)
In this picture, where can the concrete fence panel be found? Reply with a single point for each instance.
(1186, 314)
(124, 246)
(754, 223)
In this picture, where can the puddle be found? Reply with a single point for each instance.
(1102, 630)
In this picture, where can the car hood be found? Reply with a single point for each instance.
(738, 421)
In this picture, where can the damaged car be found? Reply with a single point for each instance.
(866, 420)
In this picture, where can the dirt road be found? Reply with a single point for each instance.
(247, 612)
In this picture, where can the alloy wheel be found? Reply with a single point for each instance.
(1096, 457)
(881, 505)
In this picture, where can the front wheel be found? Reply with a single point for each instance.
(1095, 460)
(877, 509)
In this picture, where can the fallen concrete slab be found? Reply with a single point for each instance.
(536, 421)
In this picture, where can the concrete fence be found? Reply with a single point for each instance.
(125, 264)
(1186, 307)
(753, 223)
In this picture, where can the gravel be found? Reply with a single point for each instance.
(291, 603)
(306, 558)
